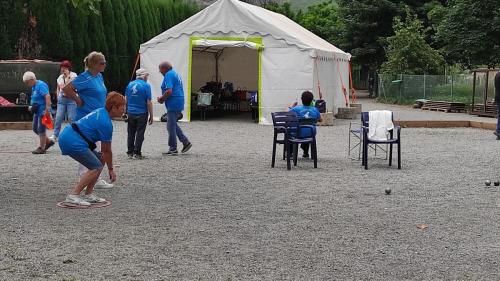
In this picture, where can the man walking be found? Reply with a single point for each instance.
(497, 101)
(173, 97)
(139, 104)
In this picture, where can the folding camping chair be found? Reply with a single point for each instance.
(391, 140)
(356, 134)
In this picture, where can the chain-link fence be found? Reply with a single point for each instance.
(405, 89)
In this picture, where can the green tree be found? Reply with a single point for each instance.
(121, 57)
(324, 20)
(284, 9)
(98, 40)
(365, 22)
(81, 40)
(470, 32)
(108, 21)
(407, 50)
(54, 29)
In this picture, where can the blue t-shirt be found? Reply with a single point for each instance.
(172, 80)
(38, 93)
(306, 112)
(91, 90)
(138, 94)
(96, 126)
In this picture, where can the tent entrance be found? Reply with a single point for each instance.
(224, 79)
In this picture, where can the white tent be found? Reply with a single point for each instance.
(255, 49)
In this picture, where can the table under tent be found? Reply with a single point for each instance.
(224, 79)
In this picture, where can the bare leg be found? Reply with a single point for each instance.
(43, 140)
(90, 186)
(88, 179)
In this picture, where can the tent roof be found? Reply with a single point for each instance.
(233, 16)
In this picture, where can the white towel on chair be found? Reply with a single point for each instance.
(379, 124)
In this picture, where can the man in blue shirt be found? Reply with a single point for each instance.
(138, 95)
(40, 104)
(306, 111)
(173, 97)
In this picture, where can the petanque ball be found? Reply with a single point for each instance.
(487, 182)
(388, 191)
(496, 183)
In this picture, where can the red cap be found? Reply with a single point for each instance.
(66, 63)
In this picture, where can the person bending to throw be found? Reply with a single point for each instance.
(78, 142)
(306, 111)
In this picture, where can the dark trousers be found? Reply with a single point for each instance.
(305, 147)
(498, 117)
(136, 128)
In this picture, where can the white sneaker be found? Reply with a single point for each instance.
(53, 138)
(92, 198)
(102, 184)
(77, 200)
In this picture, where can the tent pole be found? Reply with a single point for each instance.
(137, 58)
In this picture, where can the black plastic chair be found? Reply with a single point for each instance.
(287, 124)
(296, 139)
(390, 141)
(282, 121)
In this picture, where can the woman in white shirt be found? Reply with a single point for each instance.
(65, 105)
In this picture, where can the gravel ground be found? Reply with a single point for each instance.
(221, 213)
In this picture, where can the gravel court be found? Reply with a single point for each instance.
(221, 213)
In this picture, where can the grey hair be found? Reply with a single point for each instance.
(28, 75)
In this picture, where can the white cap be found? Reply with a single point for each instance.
(141, 73)
(28, 75)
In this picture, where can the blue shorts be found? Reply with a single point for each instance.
(38, 127)
(90, 159)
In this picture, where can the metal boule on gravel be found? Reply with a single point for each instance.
(487, 182)
(388, 191)
(496, 183)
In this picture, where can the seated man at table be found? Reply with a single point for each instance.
(306, 111)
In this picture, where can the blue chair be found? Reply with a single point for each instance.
(287, 124)
(390, 141)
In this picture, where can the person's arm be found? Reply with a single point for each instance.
(320, 119)
(165, 96)
(150, 110)
(107, 156)
(71, 93)
(168, 84)
(47, 104)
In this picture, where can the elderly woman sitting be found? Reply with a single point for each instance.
(40, 104)
(78, 142)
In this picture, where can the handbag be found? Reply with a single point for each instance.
(164, 117)
(205, 99)
(321, 106)
(92, 146)
(241, 94)
(47, 121)
(22, 99)
(34, 108)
